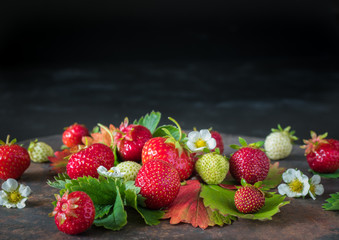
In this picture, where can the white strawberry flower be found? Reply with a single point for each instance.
(197, 141)
(114, 172)
(315, 187)
(296, 184)
(14, 195)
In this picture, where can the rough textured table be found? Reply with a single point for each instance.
(301, 219)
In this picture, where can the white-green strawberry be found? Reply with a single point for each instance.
(130, 169)
(279, 143)
(212, 167)
(40, 151)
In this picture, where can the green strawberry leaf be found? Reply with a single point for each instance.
(326, 175)
(117, 218)
(102, 210)
(222, 200)
(273, 178)
(332, 202)
(149, 121)
(163, 131)
(60, 181)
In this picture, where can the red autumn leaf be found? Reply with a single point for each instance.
(60, 160)
(188, 207)
(104, 136)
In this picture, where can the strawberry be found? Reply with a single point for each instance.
(14, 159)
(40, 151)
(218, 138)
(249, 162)
(87, 160)
(322, 154)
(249, 199)
(279, 143)
(130, 139)
(212, 167)
(130, 169)
(72, 136)
(74, 212)
(173, 151)
(159, 183)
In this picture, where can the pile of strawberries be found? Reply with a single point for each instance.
(165, 161)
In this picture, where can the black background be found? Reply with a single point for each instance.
(239, 66)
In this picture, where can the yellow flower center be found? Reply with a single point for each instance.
(296, 186)
(200, 143)
(112, 171)
(14, 197)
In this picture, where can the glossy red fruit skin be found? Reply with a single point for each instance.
(159, 182)
(248, 199)
(14, 160)
(85, 214)
(218, 138)
(72, 136)
(129, 147)
(86, 161)
(249, 163)
(325, 159)
(157, 148)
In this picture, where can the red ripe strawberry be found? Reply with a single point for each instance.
(14, 160)
(130, 139)
(218, 138)
(249, 199)
(159, 183)
(86, 161)
(249, 162)
(74, 213)
(73, 134)
(160, 148)
(322, 154)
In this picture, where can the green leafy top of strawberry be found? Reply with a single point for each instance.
(9, 143)
(244, 144)
(286, 131)
(312, 144)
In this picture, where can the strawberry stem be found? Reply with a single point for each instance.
(179, 128)
(108, 131)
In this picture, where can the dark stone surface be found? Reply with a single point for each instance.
(301, 219)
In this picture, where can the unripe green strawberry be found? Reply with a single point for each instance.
(212, 167)
(278, 144)
(130, 168)
(40, 151)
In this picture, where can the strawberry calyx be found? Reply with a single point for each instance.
(179, 144)
(286, 131)
(243, 144)
(8, 143)
(65, 207)
(257, 185)
(312, 144)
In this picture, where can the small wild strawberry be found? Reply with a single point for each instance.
(279, 143)
(322, 154)
(249, 162)
(72, 136)
(40, 151)
(159, 183)
(14, 159)
(74, 212)
(249, 199)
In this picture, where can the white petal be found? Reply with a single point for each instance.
(21, 204)
(10, 185)
(315, 179)
(10, 205)
(283, 189)
(25, 191)
(319, 189)
(102, 170)
(3, 197)
(205, 134)
(191, 146)
(211, 143)
(289, 175)
(312, 196)
(305, 189)
(193, 136)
